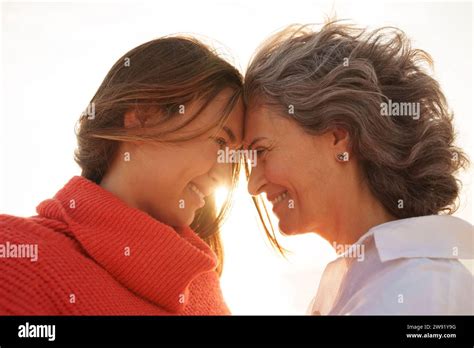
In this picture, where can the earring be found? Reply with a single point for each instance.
(343, 156)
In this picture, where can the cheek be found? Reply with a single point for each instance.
(201, 159)
(319, 189)
(277, 170)
(306, 173)
(190, 163)
(166, 170)
(289, 168)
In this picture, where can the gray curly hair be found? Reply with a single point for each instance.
(340, 76)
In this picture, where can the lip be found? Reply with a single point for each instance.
(205, 192)
(272, 196)
(198, 197)
(277, 205)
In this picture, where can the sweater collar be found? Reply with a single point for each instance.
(148, 257)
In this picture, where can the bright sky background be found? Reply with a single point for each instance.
(55, 55)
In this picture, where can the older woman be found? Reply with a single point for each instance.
(355, 143)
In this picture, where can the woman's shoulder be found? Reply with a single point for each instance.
(411, 266)
(34, 254)
(419, 286)
(34, 229)
(420, 271)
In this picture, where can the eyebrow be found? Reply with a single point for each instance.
(230, 134)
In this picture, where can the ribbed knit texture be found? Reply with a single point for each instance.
(98, 256)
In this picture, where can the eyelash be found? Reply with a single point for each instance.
(221, 142)
(260, 151)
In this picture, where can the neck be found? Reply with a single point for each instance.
(118, 186)
(356, 216)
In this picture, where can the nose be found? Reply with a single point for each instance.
(256, 180)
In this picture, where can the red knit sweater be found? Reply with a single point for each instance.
(98, 256)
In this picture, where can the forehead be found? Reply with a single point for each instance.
(235, 122)
(260, 121)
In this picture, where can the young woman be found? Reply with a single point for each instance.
(356, 143)
(137, 233)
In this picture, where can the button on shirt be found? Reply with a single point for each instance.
(406, 267)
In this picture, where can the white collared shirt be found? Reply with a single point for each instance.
(403, 267)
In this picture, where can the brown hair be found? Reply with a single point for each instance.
(340, 76)
(156, 78)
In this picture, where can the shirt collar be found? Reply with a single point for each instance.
(146, 256)
(433, 236)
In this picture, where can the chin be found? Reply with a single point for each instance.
(286, 229)
(185, 220)
(181, 219)
(290, 228)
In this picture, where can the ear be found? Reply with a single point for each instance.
(341, 139)
(133, 119)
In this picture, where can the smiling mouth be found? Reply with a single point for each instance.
(279, 198)
(196, 191)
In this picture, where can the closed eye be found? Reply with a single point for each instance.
(221, 142)
(260, 151)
